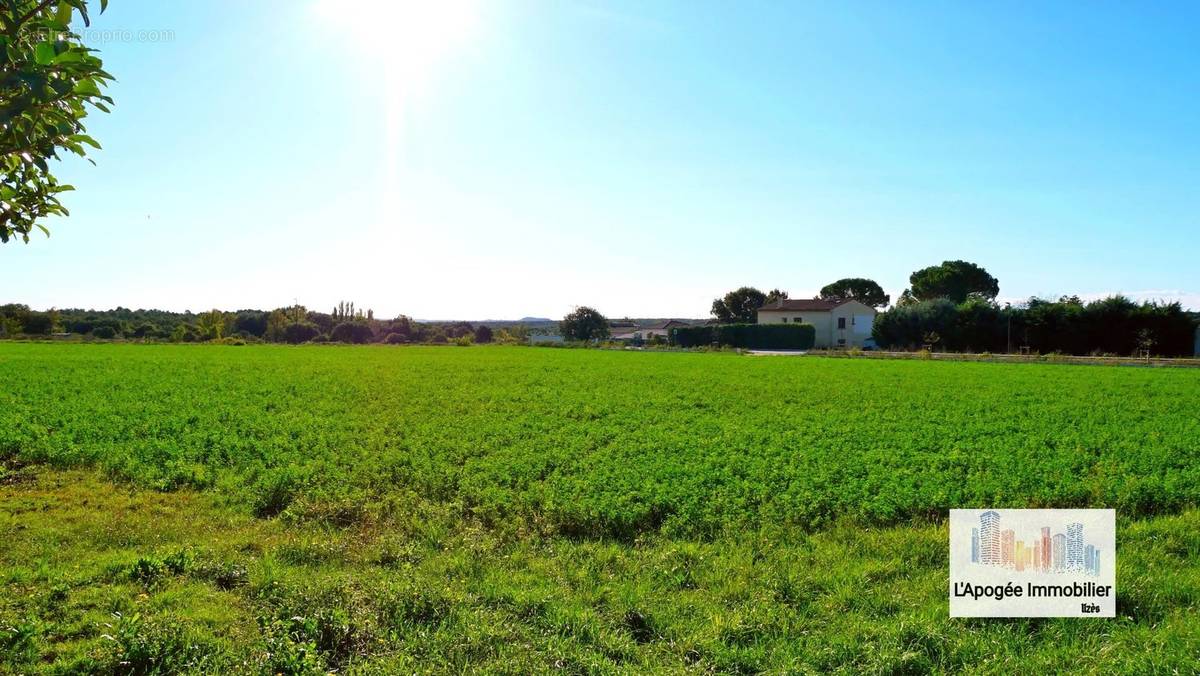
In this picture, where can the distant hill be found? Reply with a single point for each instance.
(651, 321)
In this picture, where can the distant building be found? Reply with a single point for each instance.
(1008, 547)
(838, 323)
(1059, 559)
(1074, 546)
(989, 538)
(634, 332)
(974, 545)
(1044, 563)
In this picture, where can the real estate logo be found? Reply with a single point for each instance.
(1032, 563)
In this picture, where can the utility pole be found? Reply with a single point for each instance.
(1008, 313)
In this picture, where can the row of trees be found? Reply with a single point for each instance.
(952, 307)
(1114, 325)
(294, 324)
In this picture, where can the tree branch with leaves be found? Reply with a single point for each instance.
(49, 82)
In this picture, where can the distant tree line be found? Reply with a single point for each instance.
(952, 307)
(295, 324)
(1115, 325)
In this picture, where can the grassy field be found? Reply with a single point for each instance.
(276, 509)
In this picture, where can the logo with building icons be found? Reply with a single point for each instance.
(1032, 563)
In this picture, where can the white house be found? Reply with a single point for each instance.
(839, 323)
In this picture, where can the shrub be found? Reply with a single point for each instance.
(253, 322)
(148, 570)
(38, 323)
(907, 326)
(105, 332)
(395, 339)
(145, 330)
(352, 332)
(300, 332)
(276, 489)
(753, 336)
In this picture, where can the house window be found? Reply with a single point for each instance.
(841, 322)
(785, 320)
(841, 341)
(796, 319)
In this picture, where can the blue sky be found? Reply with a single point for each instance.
(501, 159)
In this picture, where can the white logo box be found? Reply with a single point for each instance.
(1033, 563)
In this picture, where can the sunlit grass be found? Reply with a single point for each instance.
(387, 510)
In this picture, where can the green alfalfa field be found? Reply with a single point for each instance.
(269, 509)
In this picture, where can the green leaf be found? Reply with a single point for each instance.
(84, 138)
(87, 88)
(44, 53)
(63, 15)
(69, 56)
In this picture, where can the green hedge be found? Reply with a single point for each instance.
(753, 336)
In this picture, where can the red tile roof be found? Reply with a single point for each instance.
(803, 305)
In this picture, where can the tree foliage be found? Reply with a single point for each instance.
(1115, 325)
(584, 323)
(955, 281)
(250, 322)
(865, 291)
(775, 295)
(352, 332)
(214, 324)
(300, 332)
(48, 83)
(739, 306)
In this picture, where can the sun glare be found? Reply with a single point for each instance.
(402, 40)
(401, 44)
